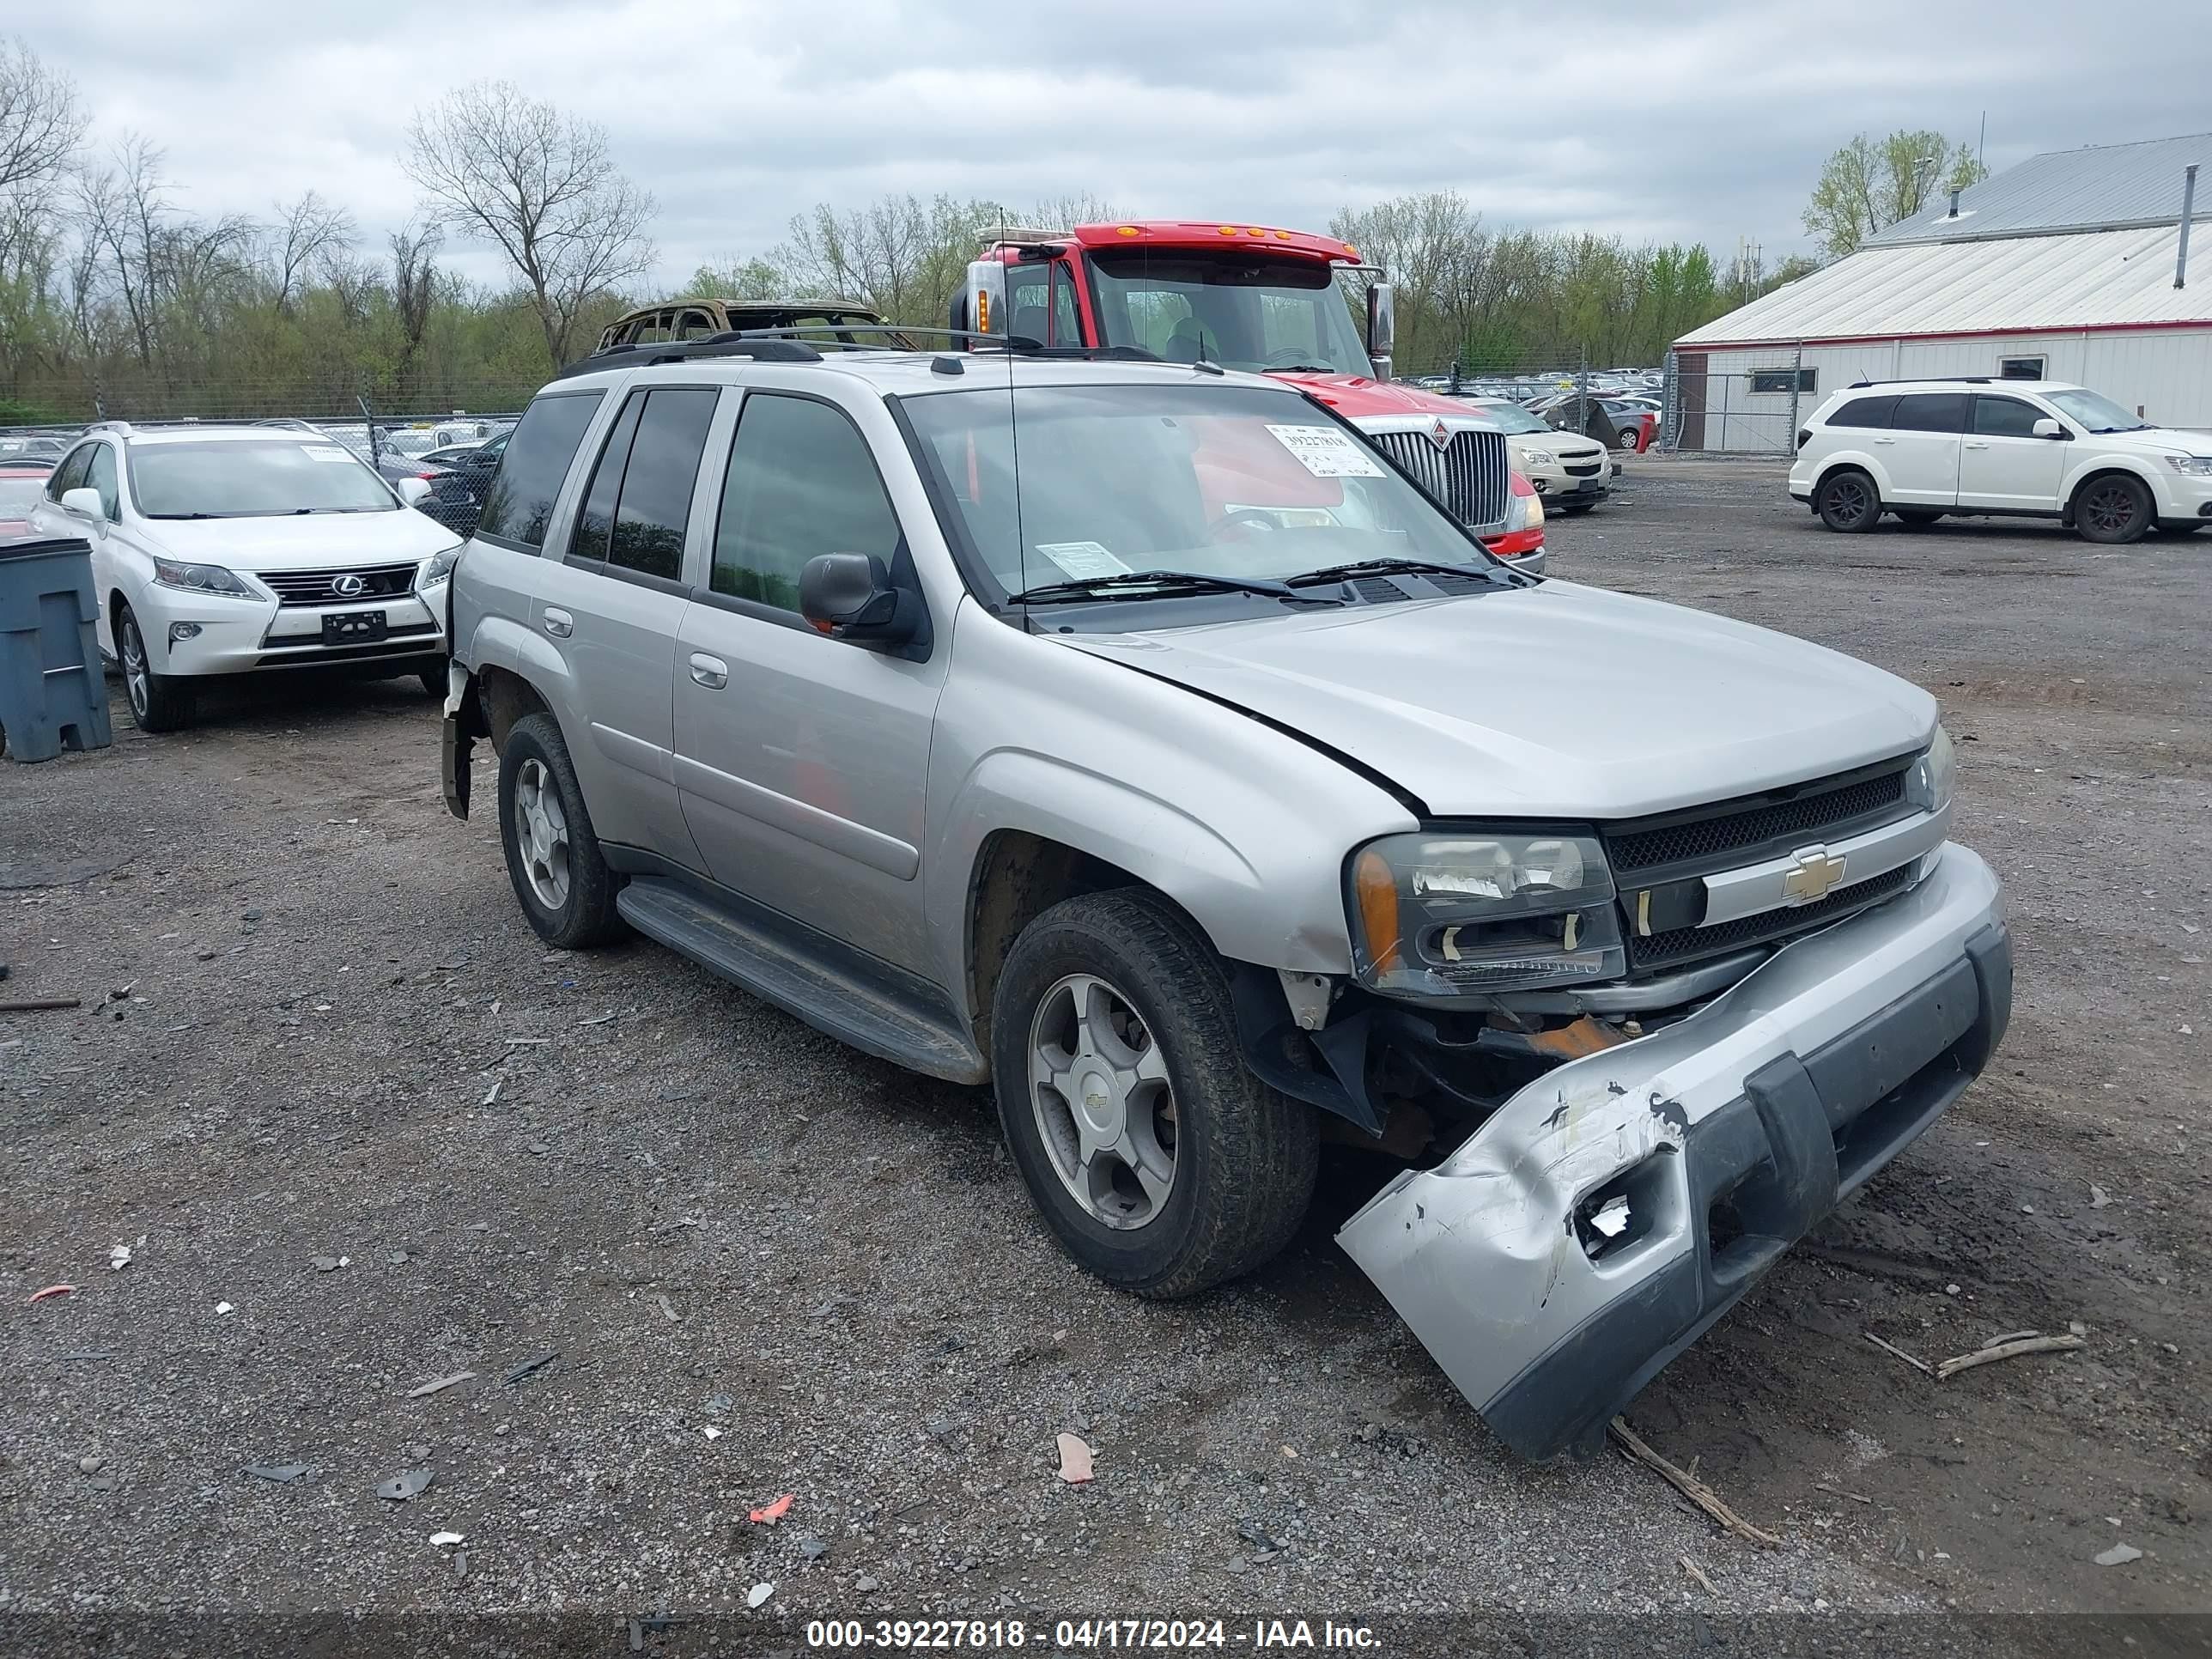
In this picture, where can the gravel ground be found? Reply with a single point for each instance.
(360, 1132)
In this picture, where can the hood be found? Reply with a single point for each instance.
(1555, 701)
(2162, 438)
(321, 541)
(1355, 396)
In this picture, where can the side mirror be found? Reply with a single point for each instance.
(2047, 428)
(986, 300)
(850, 596)
(413, 491)
(85, 503)
(1382, 327)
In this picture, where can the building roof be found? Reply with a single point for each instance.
(2018, 284)
(2105, 188)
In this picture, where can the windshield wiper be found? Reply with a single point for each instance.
(1125, 584)
(1303, 368)
(180, 515)
(1382, 566)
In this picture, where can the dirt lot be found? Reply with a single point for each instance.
(361, 1131)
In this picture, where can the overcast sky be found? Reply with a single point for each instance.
(1651, 120)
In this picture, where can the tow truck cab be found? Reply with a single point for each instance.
(1269, 300)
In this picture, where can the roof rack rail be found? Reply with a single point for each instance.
(1932, 379)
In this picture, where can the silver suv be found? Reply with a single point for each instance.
(1142, 741)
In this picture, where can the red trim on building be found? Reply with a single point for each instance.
(1956, 334)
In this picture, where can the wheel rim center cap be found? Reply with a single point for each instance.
(1097, 1099)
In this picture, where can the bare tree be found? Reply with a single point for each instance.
(511, 170)
(1870, 184)
(41, 123)
(306, 234)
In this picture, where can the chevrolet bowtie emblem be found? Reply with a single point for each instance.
(1817, 870)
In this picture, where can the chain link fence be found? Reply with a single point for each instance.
(1618, 405)
(1736, 403)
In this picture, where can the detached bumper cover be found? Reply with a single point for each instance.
(1729, 1133)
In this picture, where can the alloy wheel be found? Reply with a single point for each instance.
(1849, 498)
(2110, 509)
(541, 830)
(1105, 1106)
(134, 671)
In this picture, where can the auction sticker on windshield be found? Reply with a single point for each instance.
(1083, 560)
(1326, 453)
(319, 454)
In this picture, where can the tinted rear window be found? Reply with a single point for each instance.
(1869, 412)
(520, 499)
(1930, 411)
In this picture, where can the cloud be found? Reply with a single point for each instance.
(1666, 121)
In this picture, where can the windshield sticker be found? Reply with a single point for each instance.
(1326, 453)
(1083, 560)
(318, 453)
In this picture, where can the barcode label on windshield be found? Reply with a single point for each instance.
(1326, 453)
(1083, 560)
(315, 453)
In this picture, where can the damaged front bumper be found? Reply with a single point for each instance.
(1728, 1133)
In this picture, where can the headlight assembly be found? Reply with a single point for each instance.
(440, 565)
(2195, 466)
(201, 578)
(1927, 786)
(1464, 913)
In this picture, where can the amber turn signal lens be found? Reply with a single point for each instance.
(1376, 889)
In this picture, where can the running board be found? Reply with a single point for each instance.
(870, 1011)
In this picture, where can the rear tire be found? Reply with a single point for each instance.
(561, 878)
(1162, 1163)
(159, 703)
(2112, 509)
(1848, 502)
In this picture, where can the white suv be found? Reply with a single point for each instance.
(2039, 449)
(229, 550)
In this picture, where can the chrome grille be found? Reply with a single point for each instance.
(1845, 803)
(1682, 945)
(1472, 477)
(381, 582)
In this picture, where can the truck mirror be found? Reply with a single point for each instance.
(987, 297)
(1381, 328)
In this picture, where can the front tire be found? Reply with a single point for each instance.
(159, 703)
(553, 858)
(1162, 1163)
(1848, 502)
(2112, 510)
(1915, 518)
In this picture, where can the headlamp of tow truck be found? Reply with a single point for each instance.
(1466, 913)
(1927, 786)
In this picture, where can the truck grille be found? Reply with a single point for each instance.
(1472, 477)
(381, 582)
(1845, 803)
(1683, 945)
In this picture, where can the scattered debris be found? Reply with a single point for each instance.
(1074, 1459)
(440, 1541)
(2118, 1556)
(812, 1547)
(526, 1042)
(91, 1463)
(758, 1594)
(529, 1365)
(119, 1257)
(439, 1383)
(1837, 1491)
(710, 1432)
(669, 1307)
(1698, 1577)
(492, 1094)
(283, 1473)
(51, 1290)
(1690, 1487)
(330, 1264)
(865, 1582)
(403, 1484)
(770, 1514)
(224, 1308)
(537, 1149)
(1990, 1353)
(396, 1258)
(1891, 1347)
(601, 1020)
(720, 1404)
(2098, 1196)
(38, 1004)
(460, 1563)
(2077, 1327)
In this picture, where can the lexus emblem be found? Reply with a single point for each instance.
(1440, 436)
(349, 587)
(1817, 871)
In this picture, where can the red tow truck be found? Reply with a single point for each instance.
(1250, 297)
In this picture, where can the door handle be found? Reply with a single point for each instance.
(1973, 444)
(710, 671)
(1885, 441)
(559, 623)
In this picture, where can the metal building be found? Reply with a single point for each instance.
(2075, 265)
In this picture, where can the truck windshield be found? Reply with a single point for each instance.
(1239, 311)
(1059, 484)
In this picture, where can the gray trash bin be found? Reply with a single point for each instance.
(53, 695)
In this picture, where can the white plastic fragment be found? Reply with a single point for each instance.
(119, 1257)
(2118, 1556)
(758, 1594)
(223, 1307)
(710, 1432)
(446, 1539)
(1611, 1217)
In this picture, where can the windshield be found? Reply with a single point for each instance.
(233, 480)
(1241, 312)
(1225, 481)
(19, 495)
(2099, 414)
(1511, 417)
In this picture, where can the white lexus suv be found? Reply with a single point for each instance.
(1976, 446)
(235, 549)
